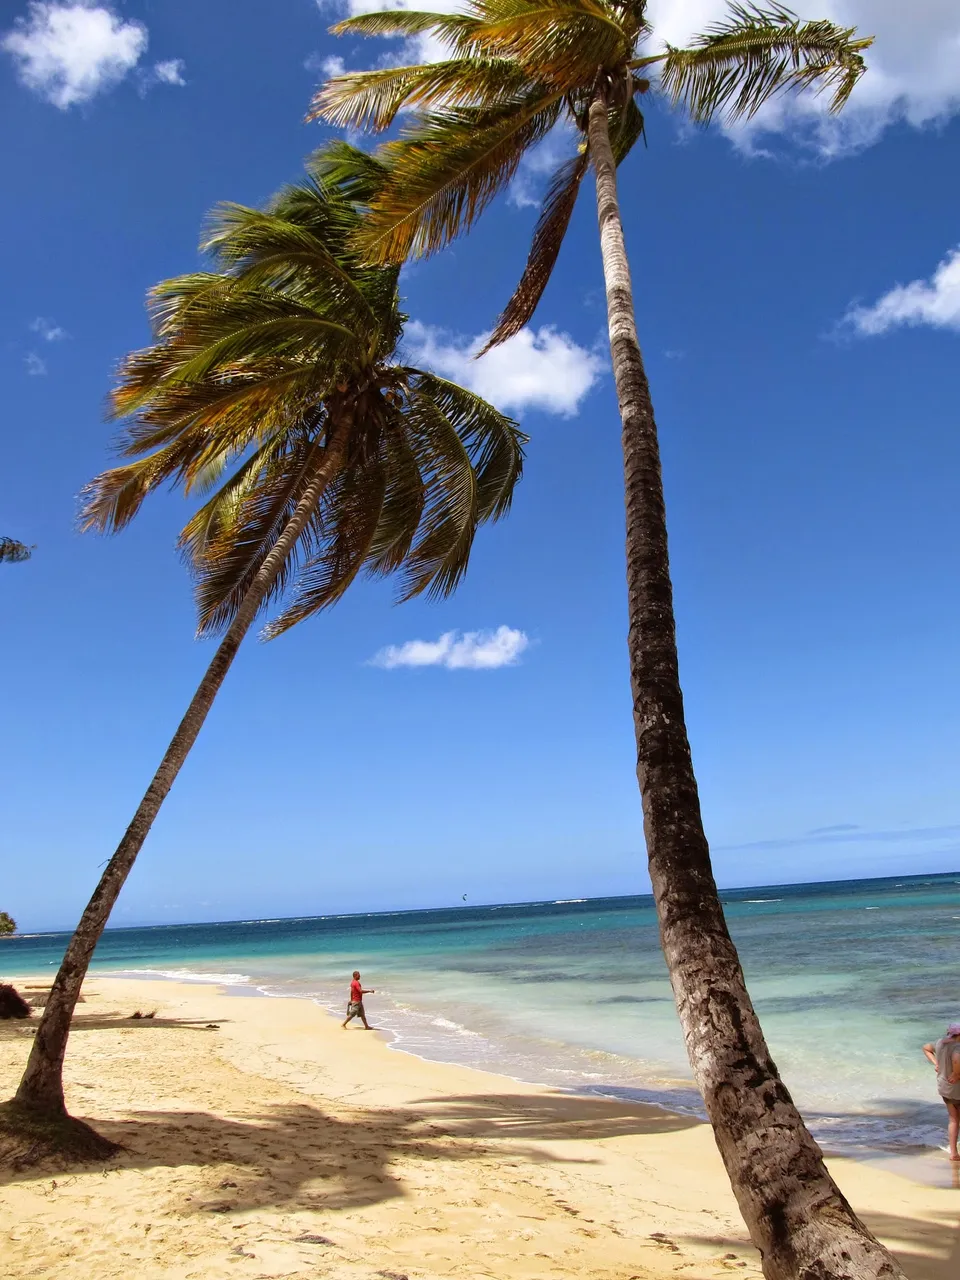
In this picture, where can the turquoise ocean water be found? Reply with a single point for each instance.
(849, 979)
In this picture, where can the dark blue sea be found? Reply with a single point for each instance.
(849, 979)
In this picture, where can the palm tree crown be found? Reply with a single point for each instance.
(255, 366)
(517, 69)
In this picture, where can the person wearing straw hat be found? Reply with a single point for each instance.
(945, 1056)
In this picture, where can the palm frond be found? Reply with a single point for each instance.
(560, 44)
(548, 237)
(165, 407)
(494, 442)
(264, 251)
(447, 171)
(246, 527)
(351, 512)
(169, 302)
(261, 335)
(439, 557)
(627, 127)
(371, 99)
(403, 502)
(354, 174)
(757, 53)
(207, 526)
(455, 30)
(111, 500)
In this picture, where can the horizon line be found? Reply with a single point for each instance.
(480, 906)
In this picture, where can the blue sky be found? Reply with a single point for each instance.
(799, 306)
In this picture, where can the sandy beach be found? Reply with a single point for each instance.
(261, 1140)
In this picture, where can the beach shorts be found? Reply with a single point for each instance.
(355, 1009)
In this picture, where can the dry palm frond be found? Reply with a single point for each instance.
(545, 248)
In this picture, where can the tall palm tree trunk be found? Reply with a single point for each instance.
(797, 1216)
(41, 1088)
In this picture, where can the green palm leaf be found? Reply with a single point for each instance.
(351, 515)
(494, 443)
(403, 502)
(456, 30)
(758, 53)
(561, 45)
(371, 99)
(244, 529)
(439, 557)
(449, 169)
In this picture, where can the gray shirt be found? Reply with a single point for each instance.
(946, 1051)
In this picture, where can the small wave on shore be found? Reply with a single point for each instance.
(187, 975)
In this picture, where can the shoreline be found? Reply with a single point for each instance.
(576, 994)
(918, 1162)
(256, 1124)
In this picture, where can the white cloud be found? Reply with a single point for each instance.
(470, 650)
(536, 369)
(36, 367)
(934, 302)
(47, 330)
(169, 72)
(68, 51)
(328, 67)
(913, 75)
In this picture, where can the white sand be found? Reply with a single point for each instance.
(241, 1141)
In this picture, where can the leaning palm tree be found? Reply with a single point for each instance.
(275, 381)
(516, 70)
(13, 552)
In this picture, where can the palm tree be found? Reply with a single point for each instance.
(280, 372)
(516, 70)
(7, 924)
(13, 552)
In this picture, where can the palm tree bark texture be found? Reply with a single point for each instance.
(41, 1088)
(796, 1213)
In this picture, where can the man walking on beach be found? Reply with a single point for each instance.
(945, 1056)
(355, 1005)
